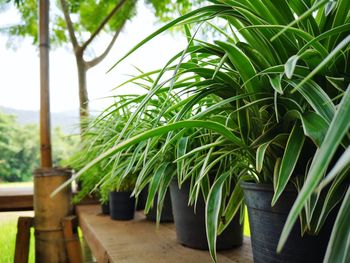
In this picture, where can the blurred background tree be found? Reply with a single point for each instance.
(19, 148)
(80, 22)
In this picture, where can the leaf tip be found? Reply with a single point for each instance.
(290, 65)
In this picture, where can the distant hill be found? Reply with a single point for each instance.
(67, 120)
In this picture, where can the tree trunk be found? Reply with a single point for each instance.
(83, 94)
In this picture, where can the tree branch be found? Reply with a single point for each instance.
(95, 61)
(69, 25)
(103, 23)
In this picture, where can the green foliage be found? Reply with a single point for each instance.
(63, 146)
(113, 184)
(84, 22)
(86, 15)
(167, 9)
(19, 149)
(80, 23)
(19, 154)
(278, 97)
(115, 174)
(281, 85)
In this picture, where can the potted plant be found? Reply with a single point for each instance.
(159, 173)
(283, 81)
(158, 170)
(288, 87)
(121, 203)
(87, 185)
(296, 102)
(187, 196)
(98, 133)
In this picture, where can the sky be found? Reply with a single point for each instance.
(19, 69)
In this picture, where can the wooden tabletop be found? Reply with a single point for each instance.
(16, 199)
(140, 241)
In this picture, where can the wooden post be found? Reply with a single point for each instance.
(49, 212)
(70, 233)
(22, 239)
(44, 48)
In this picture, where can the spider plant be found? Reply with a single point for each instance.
(163, 158)
(282, 72)
(114, 174)
(87, 151)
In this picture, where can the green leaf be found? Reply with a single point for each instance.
(198, 149)
(312, 58)
(243, 65)
(327, 59)
(290, 157)
(181, 150)
(341, 164)
(340, 18)
(203, 172)
(289, 67)
(154, 185)
(335, 194)
(338, 249)
(276, 171)
(314, 127)
(338, 128)
(204, 11)
(142, 177)
(243, 121)
(212, 211)
(169, 174)
(236, 200)
(338, 83)
(275, 82)
(221, 129)
(329, 7)
(317, 98)
(307, 13)
(260, 153)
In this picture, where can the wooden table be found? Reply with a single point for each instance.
(140, 241)
(16, 199)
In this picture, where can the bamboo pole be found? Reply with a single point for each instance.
(49, 239)
(44, 46)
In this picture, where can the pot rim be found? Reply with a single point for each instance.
(264, 187)
(121, 192)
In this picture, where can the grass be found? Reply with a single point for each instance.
(246, 230)
(8, 230)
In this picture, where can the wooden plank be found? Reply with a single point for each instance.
(70, 233)
(21, 199)
(16, 199)
(23, 239)
(140, 241)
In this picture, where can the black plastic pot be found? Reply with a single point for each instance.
(105, 208)
(167, 213)
(266, 224)
(141, 201)
(190, 226)
(121, 205)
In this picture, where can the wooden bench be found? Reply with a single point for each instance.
(140, 241)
